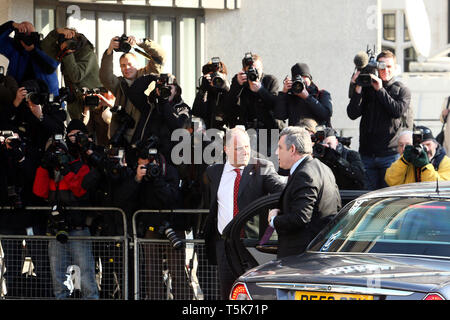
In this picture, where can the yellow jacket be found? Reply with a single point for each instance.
(402, 172)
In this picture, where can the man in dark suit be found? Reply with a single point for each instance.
(233, 186)
(311, 197)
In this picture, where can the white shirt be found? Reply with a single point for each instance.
(225, 196)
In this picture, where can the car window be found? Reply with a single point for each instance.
(418, 226)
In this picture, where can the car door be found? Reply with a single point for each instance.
(246, 245)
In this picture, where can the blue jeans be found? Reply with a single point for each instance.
(376, 169)
(74, 252)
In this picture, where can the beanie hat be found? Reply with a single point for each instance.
(300, 69)
(426, 133)
(77, 124)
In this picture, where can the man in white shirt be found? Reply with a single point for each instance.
(233, 186)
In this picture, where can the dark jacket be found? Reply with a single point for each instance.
(317, 106)
(309, 201)
(383, 114)
(24, 65)
(209, 105)
(259, 178)
(159, 118)
(253, 110)
(347, 167)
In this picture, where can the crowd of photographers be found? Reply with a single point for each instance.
(104, 140)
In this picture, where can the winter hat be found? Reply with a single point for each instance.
(300, 69)
(77, 124)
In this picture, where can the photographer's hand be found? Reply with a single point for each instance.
(377, 83)
(141, 171)
(287, 84)
(304, 94)
(35, 109)
(20, 95)
(254, 85)
(113, 44)
(358, 89)
(68, 33)
(241, 77)
(131, 40)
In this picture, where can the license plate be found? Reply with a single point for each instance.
(308, 295)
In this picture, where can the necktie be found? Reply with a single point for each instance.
(237, 180)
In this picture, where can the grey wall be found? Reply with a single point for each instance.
(325, 34)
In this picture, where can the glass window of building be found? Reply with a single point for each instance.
(175, 29)
(389, 26)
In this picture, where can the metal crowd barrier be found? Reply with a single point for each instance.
(163, 272)
(25, 271)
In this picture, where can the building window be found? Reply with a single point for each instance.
(175, 29)
(409, 56)
(389, 26)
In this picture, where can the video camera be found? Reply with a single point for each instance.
(90, 98)
(251, 72)
(367, 64)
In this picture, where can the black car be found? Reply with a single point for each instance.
(388, 244)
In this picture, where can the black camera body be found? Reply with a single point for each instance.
(162, 84)
(364, 79)
(251, 72)
(56, 157)
(217, 79)
(28, 39)
(298, 85)
(418, 147)
(71, 44)
(35, 96)
(124, 45)
(90, 98)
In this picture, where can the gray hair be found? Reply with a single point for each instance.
(298, 137)
(230, 133)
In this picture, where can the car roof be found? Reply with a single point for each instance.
(436, 189)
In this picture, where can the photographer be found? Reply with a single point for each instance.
(346, 164)
(59, 181)
(208, 103)
(301, 98)
(162, 109)
(422, 159)
(78, 65)
(26, 59)
(119, 86)
(252, 98)
(383, 103)
(155, 186)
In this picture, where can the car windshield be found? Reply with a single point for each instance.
(418, 226)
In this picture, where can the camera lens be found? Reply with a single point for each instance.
(297, 87)
(171, 235)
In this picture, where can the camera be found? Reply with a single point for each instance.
(298, 85)
(251, 72)
(162, 83)
(71, 44)
(124, 45)
(57, 224)
(35, 96)
(126, 122)
(108, 161)
(166, 230)
(28, 39)
(418, 147)
(319, 136)
(90, 97)
(217, 79)
(367, 64)
(56, 157)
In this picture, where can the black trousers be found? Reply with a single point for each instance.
(226, 277)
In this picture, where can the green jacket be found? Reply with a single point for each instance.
(80, 70)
